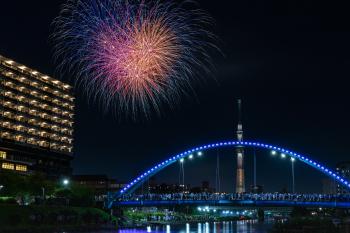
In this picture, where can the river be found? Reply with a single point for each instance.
(247, 226)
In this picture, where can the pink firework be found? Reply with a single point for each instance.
(134, 54)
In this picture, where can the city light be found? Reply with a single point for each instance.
(283, 156)
(65, 182)
(167, 228)
(190, 156)
(292, 159)
(273, 152)
(200, 153)
(182, 160)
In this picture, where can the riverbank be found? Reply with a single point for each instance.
(32, 218)
(141, 219)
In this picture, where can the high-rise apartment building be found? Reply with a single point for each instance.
(36, 121)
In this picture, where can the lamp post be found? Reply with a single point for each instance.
(182, 173)
(255, 188)
(283, 156)
(43, 192)
(65, 183)
(293, 174)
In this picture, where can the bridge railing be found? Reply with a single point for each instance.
(237, 197)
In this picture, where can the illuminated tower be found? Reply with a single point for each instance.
(240, 181)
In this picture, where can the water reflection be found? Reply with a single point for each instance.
(247, 226)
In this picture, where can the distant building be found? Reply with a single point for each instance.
(343, 169)
(204, 188)
(165, 188)
(329, 186)
(115, 185)
(168, 188)
(99, 184)
(36, 121)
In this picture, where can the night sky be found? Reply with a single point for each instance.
(288, 60)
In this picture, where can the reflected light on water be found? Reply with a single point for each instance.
(246, 226)
(206, 227)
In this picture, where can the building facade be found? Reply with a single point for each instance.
(329, 186)
(36, 121)
(99, 184)
(343, 169)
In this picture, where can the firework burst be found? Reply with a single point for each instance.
(133, 55)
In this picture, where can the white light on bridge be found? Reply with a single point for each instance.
(200, 153)
(283, 156)
(273, 152)
(182, 160)
(190, 156)
(292, 159)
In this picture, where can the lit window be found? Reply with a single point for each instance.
(9, 166)
(19, 138)
(3, 155)
(22, 168)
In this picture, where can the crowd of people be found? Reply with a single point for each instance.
(237, 197)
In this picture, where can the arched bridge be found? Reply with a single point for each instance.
(136, 182)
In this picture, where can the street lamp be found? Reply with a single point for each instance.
(182, 173)
(43, 192)
(65, 182)
(293, 175)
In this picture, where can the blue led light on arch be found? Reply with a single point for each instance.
(144, 176)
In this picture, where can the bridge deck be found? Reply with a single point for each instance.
(238, 203)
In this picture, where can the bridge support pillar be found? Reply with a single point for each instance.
(261, 215)
(118, 213)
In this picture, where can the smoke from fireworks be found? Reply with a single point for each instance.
(133, 55)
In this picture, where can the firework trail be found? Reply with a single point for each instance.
(133, 55)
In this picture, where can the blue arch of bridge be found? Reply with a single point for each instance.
(135, 183)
